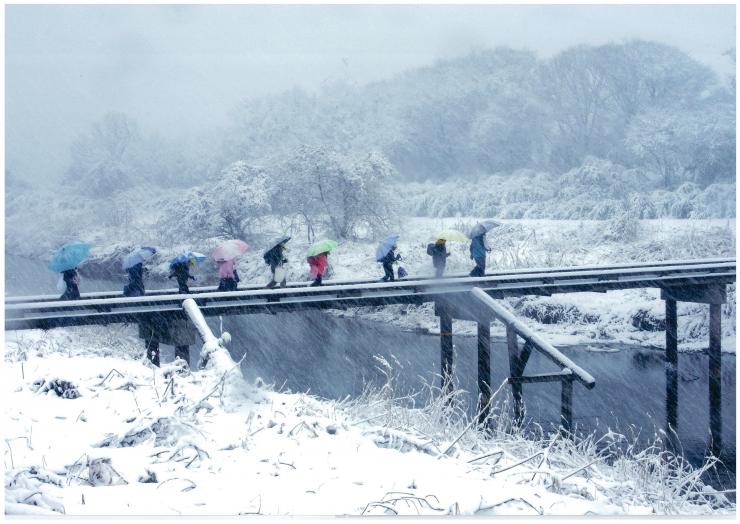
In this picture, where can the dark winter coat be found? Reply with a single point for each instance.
(390, 258)
(181, 272)
(275, 257)
(478, 247)
(229, 284)
(70, 279)
(135, 286)
(439, 255)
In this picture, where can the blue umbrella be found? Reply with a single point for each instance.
(69, 256)
(187, 257)
(138, 256)
(481, 228)
(385, 246)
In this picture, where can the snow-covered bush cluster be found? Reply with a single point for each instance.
(597, 190)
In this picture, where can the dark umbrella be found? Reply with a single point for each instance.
(276, 242)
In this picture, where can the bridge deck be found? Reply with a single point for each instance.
(334, 282)
(104, 308)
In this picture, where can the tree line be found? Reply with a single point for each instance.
(328, 158)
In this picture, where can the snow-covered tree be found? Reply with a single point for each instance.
(347, 195)
(228, 206)
(101, 159)
(240, 197)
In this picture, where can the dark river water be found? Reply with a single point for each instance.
(334, 357)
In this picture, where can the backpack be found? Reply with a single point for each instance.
(430, 249)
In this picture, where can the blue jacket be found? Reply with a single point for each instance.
(477, 247)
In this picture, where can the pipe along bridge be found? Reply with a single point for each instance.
(456, 297)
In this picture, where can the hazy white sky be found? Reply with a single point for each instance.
(181, 68)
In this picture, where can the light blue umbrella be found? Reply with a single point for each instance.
(187, 257)
(138, 256)
(481, 228)
(385, 246)
(69, 256)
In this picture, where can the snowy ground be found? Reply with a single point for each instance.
(92, 429)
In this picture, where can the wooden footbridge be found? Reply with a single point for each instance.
(455, 297)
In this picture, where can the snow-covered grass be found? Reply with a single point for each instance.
(137, 440)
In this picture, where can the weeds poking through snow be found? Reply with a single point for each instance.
(619, 469)
(389, 501)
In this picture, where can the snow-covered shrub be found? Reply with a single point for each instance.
(102, 473)
(715, 201)
(62, 388)
(622, 228)
(682, 208)
(640, 206)
(608, 208)
(644, 320)
(27, 491)
(545, 311)
(597, 177)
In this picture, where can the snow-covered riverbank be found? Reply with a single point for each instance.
(91, 429)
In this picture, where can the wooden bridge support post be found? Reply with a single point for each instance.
(515, 371)
(671, 366)
(445, 336)
(484, 369)
(715, 377)
(566, 405)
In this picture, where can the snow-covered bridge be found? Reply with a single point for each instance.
(457, 296)
(685, 279)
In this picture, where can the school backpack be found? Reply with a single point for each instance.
(430, 249)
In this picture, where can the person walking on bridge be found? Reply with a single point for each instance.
(229, 278)
(275, 258)
(225, 256)
(72, 281)
(317, 266)
(386, 255)
(478, 252)
(135, 286)
(181, 272)
(133, 264)
(478, 247)
(439, 254)
(388, 260)
(318, 259)
(66, 260)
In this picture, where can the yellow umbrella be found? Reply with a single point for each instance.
(452, 235)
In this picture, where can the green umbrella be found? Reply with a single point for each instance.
(452, 235)
(321, 246)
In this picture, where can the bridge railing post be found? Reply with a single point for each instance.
(515, 371)
(484, 369)
(566, 403)
(715, 377)
(446, 354)
(671, 367)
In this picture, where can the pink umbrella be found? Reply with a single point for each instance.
(229, 250)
